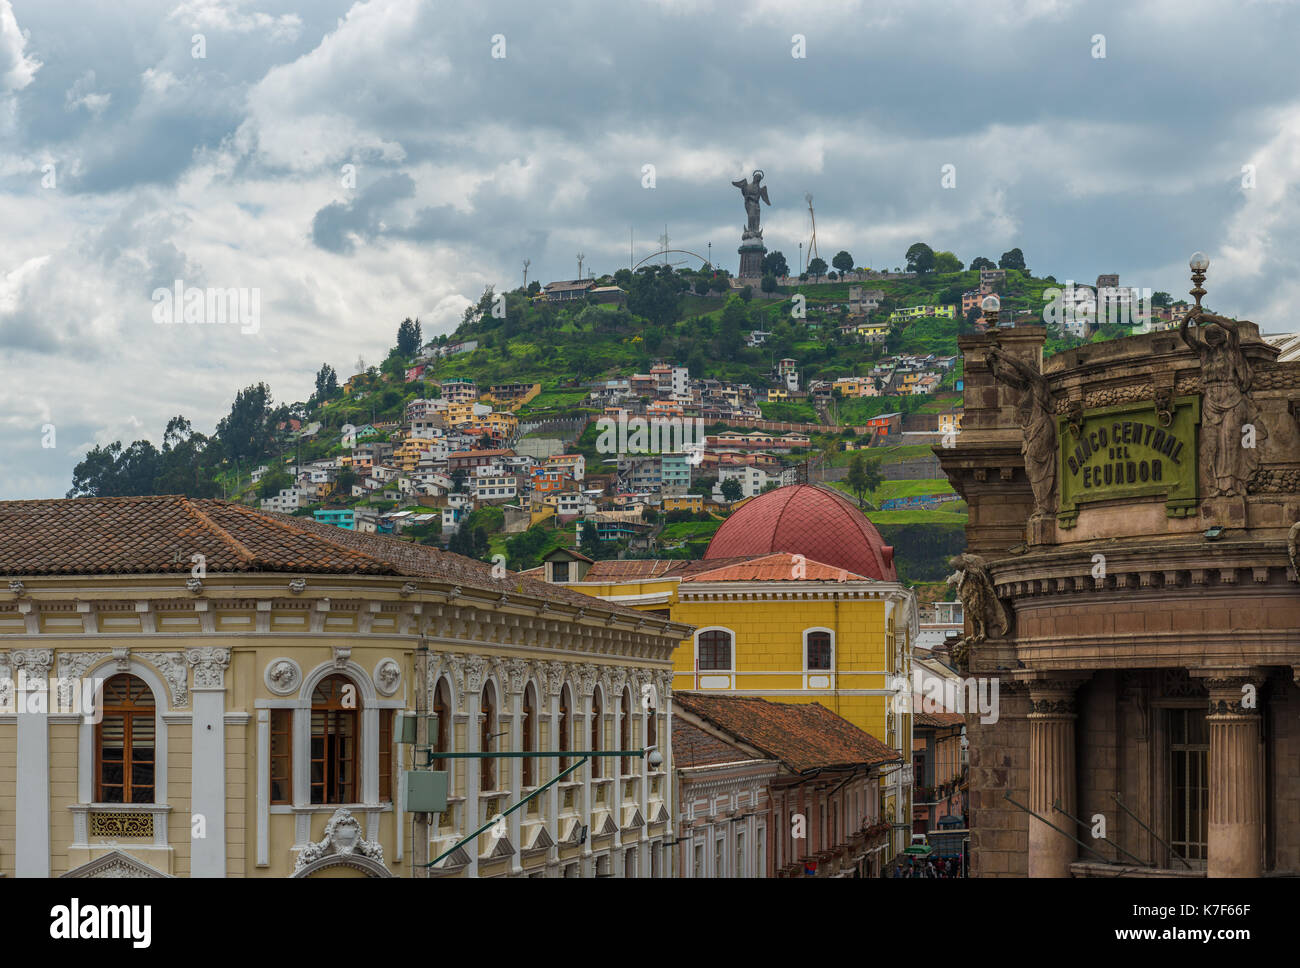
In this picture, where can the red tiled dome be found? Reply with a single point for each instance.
(803, 519)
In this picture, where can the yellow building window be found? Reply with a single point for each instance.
(819, 651)
(714, 651)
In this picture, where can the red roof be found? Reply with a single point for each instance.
(777, 567)
(803, 736)
(804, 519)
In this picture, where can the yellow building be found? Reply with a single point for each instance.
(950, 422)
(796, 600)
(408, 454)
(226, 685)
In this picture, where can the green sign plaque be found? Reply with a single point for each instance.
(1127, 451)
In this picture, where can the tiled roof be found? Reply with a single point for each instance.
(692, 746)
(817, 522)
(938, 718)
(778, 567)
(158, 534)
(803, 736)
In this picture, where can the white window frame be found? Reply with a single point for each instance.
(730, 672)
(827, 673)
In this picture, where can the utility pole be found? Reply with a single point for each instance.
(420, 848)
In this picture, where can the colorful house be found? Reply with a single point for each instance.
(796, 600)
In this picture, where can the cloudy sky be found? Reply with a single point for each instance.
(129, 161)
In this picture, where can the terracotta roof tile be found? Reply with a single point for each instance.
(777, 567)
(803, 736)
(158, 534)
(692, 746)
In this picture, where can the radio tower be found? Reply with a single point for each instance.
(812, 246)
(581, 256)
(527, 263)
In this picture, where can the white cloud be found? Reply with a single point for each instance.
(17, 68)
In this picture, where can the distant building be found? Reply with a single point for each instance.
(566, 290)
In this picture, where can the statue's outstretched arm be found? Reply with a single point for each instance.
(1189, 335)
(740, 184)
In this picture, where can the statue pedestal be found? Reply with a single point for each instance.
(752, 251)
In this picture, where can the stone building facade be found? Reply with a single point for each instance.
(1130, 581)
(251, 668)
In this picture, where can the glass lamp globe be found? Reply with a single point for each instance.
(991, 303)
(1199, 262)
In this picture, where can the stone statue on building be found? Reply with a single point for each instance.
(1293, 548)
(1231, 431)
(979, 601)
(752, 191)
(1038, 421)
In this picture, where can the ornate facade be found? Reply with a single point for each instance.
(1129, 587)
(223, 686)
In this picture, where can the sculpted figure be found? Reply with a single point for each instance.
(752, 191)
(1226, 407)
(1293, 548)
(980, 601)
(1037, 420)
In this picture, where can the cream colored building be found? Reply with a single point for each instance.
(251, 668)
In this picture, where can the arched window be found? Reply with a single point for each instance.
(566, 728)
(530, 731)
(124, 742)
(715, 650)
(442, 710)
(625, 729)
(335, 704)
(818, 651)
(595, 733)
(487, 777)
(652, 728)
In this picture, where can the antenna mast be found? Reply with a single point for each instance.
(581, 256)
(812, 246)
(527, 263)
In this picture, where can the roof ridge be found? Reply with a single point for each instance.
(225, 537)
(289, 525)
(776, 527)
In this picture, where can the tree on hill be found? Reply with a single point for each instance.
(769, 283)
(920, 258)
(817, 268)
(774, 264)
(1015, 259)
(245, 432)
(1161, 299)
(982, 263)
(327, 382)
(344, 482)
(732, 491)
(590, 541)
(864, 476)
(843, 261)
(946, 262)
(408, 337)
(656, 294)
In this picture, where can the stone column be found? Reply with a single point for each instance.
(1052, 775)
(208, 759)
(31, 669)
(1236, 782)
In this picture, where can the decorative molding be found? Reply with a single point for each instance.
(342, 654)
(171, 666)
(116, 864)
(73, 665)
(342, 840)
(36, 662)
(387, 676)
(210, 663)
(282, 676)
